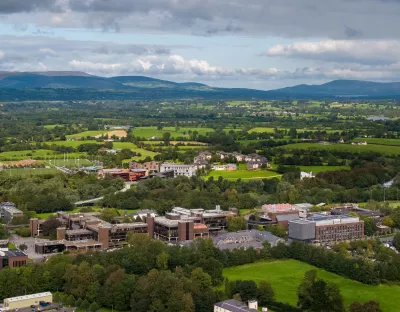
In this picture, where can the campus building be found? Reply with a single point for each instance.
(8, 211)
(151, 166)
(12, 258)
(129, 175)
(26, 301)
(326, 229)
(179, 170)
(233, 305)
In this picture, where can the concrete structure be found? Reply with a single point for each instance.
(348, 208)
(277, 208)
(12, 258)
(21, 302)
(233, 305)
(179, 170)
(326, 229)
(8, 211)
(306, 175)
(151, 166)
(129, 175)
(245, 239)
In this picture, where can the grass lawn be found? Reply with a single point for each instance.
(19, 155)
(73, 144)
(383, 149)
(26, 172)
(394, 142)
(148, 132)
(316, 169)
(84, 134)
(52, 126)
(244, 174)
(70, 163)
(286, 275)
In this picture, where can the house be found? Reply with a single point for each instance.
(306, 175)
(341, 141)
(217, 167)
(231, 167)
(233, 305)
(253, 165)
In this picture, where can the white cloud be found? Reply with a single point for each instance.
(48, 51)
(1, 54)
(363, 51)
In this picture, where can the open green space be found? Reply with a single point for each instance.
(244, 174)
(73, 144)
(286, 275)
(317, 169)
(85, 134)
(148, 132)
(379, 141)
(29, 171)
(383, 149)
(35, 154)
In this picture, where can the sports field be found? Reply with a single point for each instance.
(26, 172)
(244, 174)
(286, 275)
(383, 149)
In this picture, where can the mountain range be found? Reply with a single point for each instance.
(139, 87)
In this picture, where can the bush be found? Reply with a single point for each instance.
(23, 231)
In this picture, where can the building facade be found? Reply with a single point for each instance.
(326, 229)
(12, 258)
(8, 211)
(179, 170)
(21, 302)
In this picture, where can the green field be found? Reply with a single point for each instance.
(73, 144)
(394, 142)
(70, 162)
(147, 132)
(30, 171)
(285, 276)
(244, 174)
(383, 149)
(36, 154)
(317, 169)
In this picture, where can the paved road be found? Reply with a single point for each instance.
(30, 242)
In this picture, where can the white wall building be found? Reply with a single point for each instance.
(179, 170)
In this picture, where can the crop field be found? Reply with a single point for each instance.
(148, 132)
(317, 169)
(244, 174)
(286, 275)
(384, 149)
(84, 134)
(26, 172)
(394, 142)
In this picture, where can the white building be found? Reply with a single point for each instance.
(179, 170)
(233, 305)
(306, 175)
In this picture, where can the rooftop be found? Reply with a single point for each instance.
(234, 306)
(166, 222)
(9, 253)
(20, 298)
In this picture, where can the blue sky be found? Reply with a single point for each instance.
(263, 44)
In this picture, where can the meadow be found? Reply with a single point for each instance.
(379, 141)
(317, 169)
(26, 172)
(286, 275)
(35, 154)
(244, 174)
(383, 149)
(147, 132)
(84, 134)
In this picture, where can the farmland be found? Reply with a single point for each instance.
(285, 276)
(383, 149)
(147, 132)
(244, 174)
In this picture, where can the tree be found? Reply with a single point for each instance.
(369, 306)
(246, 289)
(3, 232)
(388, 221)
(162, 261)
(23, 247)
(236, 224)
(70, 301)
(78, 302)
(94, 307)
(369, 227)
(166, 138)
(85, 305)
(108, 214)
(49, 227)
(396, 240)
(265, 293)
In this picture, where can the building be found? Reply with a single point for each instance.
(277, 207)
(8, 211)
(129, 175)
(179, 170)
(151, 166)
(326, 229)
(245, 239)
(346, 209)
(306, 175)
(21, 302)
(233, 305)
(12, 258)
(202, 158)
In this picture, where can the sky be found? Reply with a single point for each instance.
(261, 44)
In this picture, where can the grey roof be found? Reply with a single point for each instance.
(246, 239)
(234, 306)
(287, 217)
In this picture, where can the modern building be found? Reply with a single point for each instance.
(179, 170)
(8, 211)
(348, 208)
(245, 239)
(233, 305)
(151, 166)
(12, 258)
(326, 229)
(129, 175)
(277, 207)
(21, 302)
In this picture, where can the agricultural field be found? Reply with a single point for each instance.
(26, 172)
(286, 275)
(147, 132)
(383, 149)
(244, 174)
(85, 134)
(379, 141)
(73, 144)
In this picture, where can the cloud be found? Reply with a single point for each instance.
(16, 6)
(362, 51)
(48, 51)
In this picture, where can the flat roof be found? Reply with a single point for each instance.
(77, 232)
(166, 222)
(32, 296)
(12, 253)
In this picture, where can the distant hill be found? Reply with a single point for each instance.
(140, 87)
